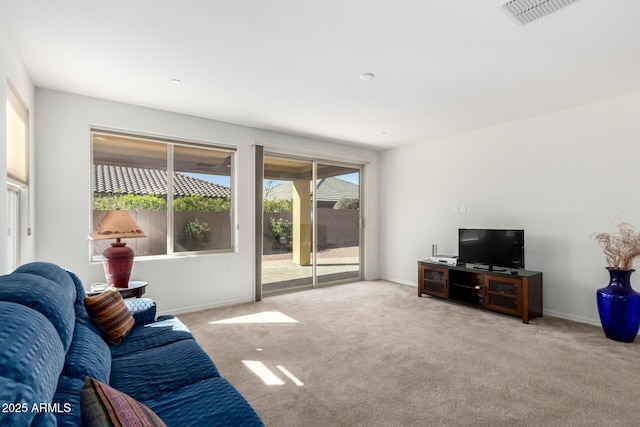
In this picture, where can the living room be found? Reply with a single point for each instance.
(549, 174)
(561, 171)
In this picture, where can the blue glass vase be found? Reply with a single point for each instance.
(619, 307)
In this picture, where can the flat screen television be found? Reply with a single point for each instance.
(491, 248)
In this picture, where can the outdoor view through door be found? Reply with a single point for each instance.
(299, 252)
(338, 223)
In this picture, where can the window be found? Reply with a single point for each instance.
(17, 138)
(179, 193)
(13, 224)
(17, 176)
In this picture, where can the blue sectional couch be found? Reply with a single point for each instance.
(49, 346)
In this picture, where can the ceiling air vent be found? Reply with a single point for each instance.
(527, 11)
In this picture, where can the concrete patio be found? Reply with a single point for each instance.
(279, 272)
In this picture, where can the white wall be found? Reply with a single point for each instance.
(560, 176)
(12, 72)
(63, 216)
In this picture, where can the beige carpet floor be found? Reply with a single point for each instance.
(374, 354)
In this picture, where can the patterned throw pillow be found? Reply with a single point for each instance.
(101, 406)
(109, 312)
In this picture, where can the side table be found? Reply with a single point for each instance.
(135, 289)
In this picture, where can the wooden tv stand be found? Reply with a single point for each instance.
(518, 294)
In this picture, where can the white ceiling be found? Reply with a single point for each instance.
(441, 66)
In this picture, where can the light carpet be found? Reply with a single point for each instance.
(374, 354)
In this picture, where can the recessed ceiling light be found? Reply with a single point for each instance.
(366, 76)
(176, 82)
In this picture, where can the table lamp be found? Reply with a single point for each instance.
(118, 259)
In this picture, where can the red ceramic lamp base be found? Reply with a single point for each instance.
(117, 264)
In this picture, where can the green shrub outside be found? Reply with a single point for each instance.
(195, 235)
(129, 202)
(278, 205)
(199, 203)
(281, 230)
(347, 203)
(196, 203)
(132, 202)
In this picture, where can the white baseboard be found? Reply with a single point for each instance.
(182, 310)
(551, 313)
(401, 281)
(579, 319)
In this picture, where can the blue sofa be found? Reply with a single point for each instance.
(49, 346)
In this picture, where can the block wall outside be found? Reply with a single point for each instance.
(336, 227)
(154, 224)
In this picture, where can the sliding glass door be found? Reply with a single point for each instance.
(338, 223)
(310, 224)
(287, 224)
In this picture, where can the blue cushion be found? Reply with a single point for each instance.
(142, 309)
(81, 311)
(32, 353)
(88, 355)
(82, 316)
(21, 410)
(211, 402)
(12, 392)
(151, 335)
(67, 397)
(48, 344)
(149, 373)
(67, 280)
(54, 273)
(41, 294)
(45, 418)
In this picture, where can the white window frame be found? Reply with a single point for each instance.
(171, 143)
(18, 209)
(13, 226)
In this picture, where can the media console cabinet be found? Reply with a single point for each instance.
(518, 294)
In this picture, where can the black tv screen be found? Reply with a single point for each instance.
(493, 248)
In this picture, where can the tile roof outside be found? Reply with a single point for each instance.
(127, 180)
(330, 189)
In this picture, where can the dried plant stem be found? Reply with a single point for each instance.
(620, 249)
